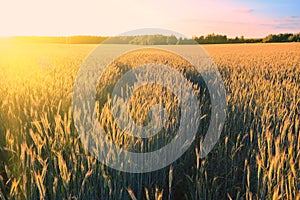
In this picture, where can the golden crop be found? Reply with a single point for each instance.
(257, 156)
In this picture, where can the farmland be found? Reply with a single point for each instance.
(257, 156)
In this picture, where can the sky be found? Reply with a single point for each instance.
(255, 18)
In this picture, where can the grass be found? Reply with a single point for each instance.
(257, 156)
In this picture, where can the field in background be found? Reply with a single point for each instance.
(257, 156)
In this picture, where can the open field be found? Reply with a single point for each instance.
(257, 156)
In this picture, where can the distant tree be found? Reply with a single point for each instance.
(157, 39)
(171, 40)
(179, 40)
(282, 37)
(294, 38)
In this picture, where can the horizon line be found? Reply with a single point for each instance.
(110, 36)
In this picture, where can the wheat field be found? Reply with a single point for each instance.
(257, 156)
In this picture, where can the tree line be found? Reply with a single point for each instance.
(157, 39)
(222, 39)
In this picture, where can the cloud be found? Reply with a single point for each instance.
(287, 23)
(244, 10)
(292, 17)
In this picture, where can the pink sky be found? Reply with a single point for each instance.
(96, 17)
